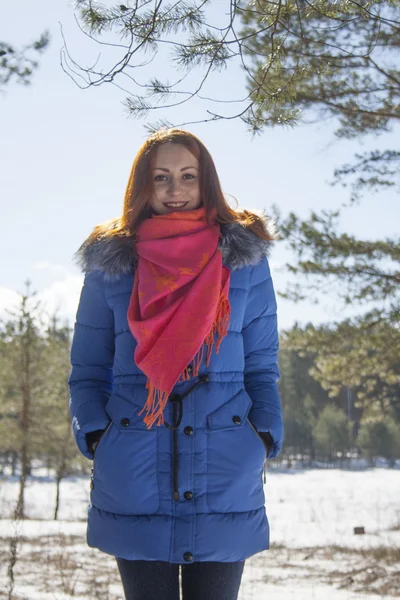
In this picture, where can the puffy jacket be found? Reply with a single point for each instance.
(191, 489)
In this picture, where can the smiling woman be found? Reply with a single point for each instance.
(177, 320)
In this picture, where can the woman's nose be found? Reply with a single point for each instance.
(173, 186)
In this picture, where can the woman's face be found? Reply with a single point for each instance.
(175, 177)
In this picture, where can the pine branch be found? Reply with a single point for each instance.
(18, 64)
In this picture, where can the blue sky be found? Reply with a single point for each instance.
(66, 153)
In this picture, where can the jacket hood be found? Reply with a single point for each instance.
(115, 256)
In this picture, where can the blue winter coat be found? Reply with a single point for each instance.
(194, 493)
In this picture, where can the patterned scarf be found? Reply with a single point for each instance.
(179, 301)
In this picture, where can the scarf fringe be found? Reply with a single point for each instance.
(157, 399)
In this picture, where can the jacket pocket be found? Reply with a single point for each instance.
(125, 474)
(235, 458)
(100, 439)
(95, 450)
(265, 445)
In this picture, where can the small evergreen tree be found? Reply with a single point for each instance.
(331, 433)
(380, 437)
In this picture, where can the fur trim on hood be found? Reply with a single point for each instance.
(115, 257)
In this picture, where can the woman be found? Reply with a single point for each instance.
(174, 378)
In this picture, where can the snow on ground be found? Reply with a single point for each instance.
(314, 553)
(321, 507)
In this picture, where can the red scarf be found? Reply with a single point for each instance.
(179, 301)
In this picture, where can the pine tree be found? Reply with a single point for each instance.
(21, 349)
(380, 437)
(35, 422)
(302, 398)
(330, 433)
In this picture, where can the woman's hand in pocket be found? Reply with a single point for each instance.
(93, 438)
(267, 439)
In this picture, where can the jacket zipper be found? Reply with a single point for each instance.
(94, 455)
(264, 470)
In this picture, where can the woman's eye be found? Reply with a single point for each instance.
(186, 176)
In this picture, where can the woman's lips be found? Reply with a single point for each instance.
(175, 204)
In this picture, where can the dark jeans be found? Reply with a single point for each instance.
(157, 580)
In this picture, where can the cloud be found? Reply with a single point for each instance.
(45, 265)
(61, 297)
(9, 299)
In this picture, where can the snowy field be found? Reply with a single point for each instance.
(314, 553)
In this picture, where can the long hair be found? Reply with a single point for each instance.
(138, 192)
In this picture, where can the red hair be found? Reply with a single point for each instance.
(139, 189)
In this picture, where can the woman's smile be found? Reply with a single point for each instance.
(175, 204)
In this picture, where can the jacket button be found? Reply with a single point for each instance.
(188, 495)
(204, 378)
(236, 419)
(189, 368)
(125, 422)
(188, 430)
(188, 556)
